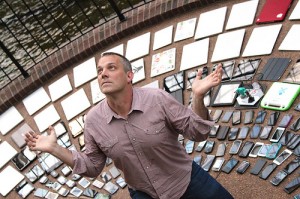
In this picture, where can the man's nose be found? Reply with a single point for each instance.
(104, 73)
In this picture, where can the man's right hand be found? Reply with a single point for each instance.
(37, 142)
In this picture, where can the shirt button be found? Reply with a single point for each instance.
(154, 181)
(140, 153)
(147, 167)
(133, 139)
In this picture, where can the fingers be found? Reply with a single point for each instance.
(30, 139)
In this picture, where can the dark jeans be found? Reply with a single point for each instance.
(202, 185)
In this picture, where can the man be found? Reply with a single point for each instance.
(138, 128)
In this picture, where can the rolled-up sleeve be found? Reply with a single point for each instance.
(90, 162)
(184, 120)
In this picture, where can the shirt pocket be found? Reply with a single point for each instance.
(107, 145)
(156, 134)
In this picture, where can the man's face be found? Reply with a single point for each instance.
(112, 77)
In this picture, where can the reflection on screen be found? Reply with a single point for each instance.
(226, 94)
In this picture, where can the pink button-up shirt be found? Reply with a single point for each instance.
(144, 146)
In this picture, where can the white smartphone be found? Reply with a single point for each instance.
(218, 164)
(277, 134)
(282, 156)
(254, 151)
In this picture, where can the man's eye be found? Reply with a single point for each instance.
(100, 71)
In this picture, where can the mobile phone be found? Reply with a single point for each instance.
(189, 146)
(263, 150)
(232, 162)
(235, 147)
(243, 167)
(39, 192)
(76, 191)
(255, 131)
(265, 132)
(296, 125)
(200, 146)
(233, 132)
(278, 178)
(285, 120)
(266, 172)
(297, 107)
(248, 119)
(273, 118)
(246, 149)
(293, 185)
(236, 117)
(253, 153)
(214, 130)
(286, 138)
(243, 133)
(277, 134)
(294, 142)
(260, 117)
(197, 159)
(217, 115)
(282, 156)
(209, 146)
(273, 150)
(208, 162)
(227, 116)
(221, 149)
(223, 131)
(292, 166)
(218, 164)
(258, 166)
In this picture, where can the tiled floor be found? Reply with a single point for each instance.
(241, 186)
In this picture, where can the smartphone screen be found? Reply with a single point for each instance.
(296, 125)
(246, 149)
(200, 146)
(235, 147)
(209, 146)
(208, 162)
(273, 150)
(217, 115)
(285, 120)
(293, 185)
(232, 162)
(255, 131)
(243, 132)
(255, 149)
(278, 178)
(265, 173)
(223, 131)
(265, 132)
(198, 159)
(236, 117)
(263, 150)
(233, 133)
(260, 117)
(286, 138)
(282, 156)
(294, 142)
(292, 166)
(277, 134)
(189, 146)
(273, 118)
(227, 116)
(214, 130)
(221, 149)
(248, 117)
(243, 167)
(258, 166)
(218, 164)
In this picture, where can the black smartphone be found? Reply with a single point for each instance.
(232, 162)
(243, 167)
(296, 125)
(208, 162)
(255, 131)
(294, 142)
(293, 185)
(278, 178)
(243, 133)
(258, 166)
(214, 130)
(292, 166)
(273, 118)
(233, 132)
(246, 149)
(209, 146)
(223, 131)
(235, 147)
(265, 132)
(217, 115)
(284, 122)
(248, 119)
(260, 118)
(266, 172)
(236, 117)
(286, 138)
(227, 116)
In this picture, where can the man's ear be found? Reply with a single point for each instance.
(130, 75)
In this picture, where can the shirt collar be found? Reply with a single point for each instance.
(136, 106)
